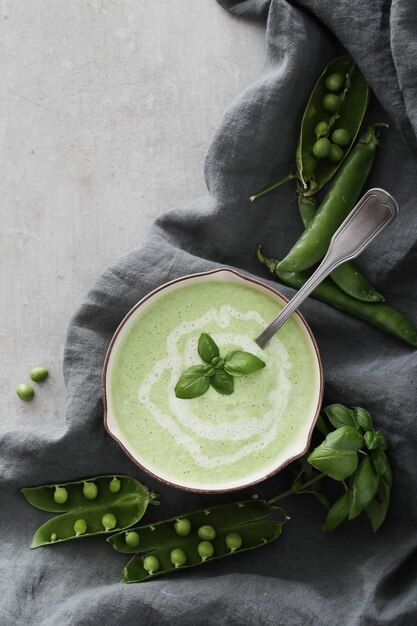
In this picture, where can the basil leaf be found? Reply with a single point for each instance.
(338, 464)
(240, 363)
(382, 467)
(222, 382)
(338, 512)
(207, 348)
(377, 509)
(375, 439)
(364, 487)
(321, 425)
(344, 438)
(339, 415)
(362, 418)
(192, 383)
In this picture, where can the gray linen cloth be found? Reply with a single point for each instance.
(306, 577)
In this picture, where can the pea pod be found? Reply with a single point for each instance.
(314, 173)
(378, 314)
(79, 510)
(347, 276)
(245, 519)
(336, 205)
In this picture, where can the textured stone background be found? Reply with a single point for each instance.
(107, 108)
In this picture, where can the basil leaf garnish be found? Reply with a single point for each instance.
(338, 464)
(207, 348)
(192, 383)
(362, 418)
(377, 510)
(344, 438)
(222, 382)
(240, 363)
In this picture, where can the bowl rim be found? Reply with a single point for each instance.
(115, 337)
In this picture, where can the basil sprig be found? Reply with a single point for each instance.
(217, 371)
(354, 455)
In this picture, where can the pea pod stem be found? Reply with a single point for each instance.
(379, 314)
(259, 194)
(301, 489)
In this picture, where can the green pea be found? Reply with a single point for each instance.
(182, 527)
(233, 541)
(90, 490)
(38, 374)
(336, 153)
(132, 539)
(321, 129)
(341, 137)
(25, 391)
(109, 521)
(151, 564)
(178, 557)
(60, 495)
(54, 537)
(206, 532)
(80, 527)
(321, 148)
(334, 82)
(115, 485)
(205, 550)
(331, 102)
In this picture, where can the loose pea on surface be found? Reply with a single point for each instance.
(341, 137)
(206, 532)
(331, 102)
(60, 495)
(336, 153)
(334, 82)
(233, 541)
(182, 527)
(54, 537)
(115, 485)
(90, 490)
(321, 129)
(38, 374)
(25, 391)
(109, 521)
(178, 557)
(321, 148)
(151, 564)
(205, 550)
(132, 539)
(80, 527)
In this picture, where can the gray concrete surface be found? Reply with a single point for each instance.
(107, 109)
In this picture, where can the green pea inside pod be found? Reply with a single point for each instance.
(335, 81)
(178, 557)
(102, 514)
(90, 490)
(115, 485)
(132, 539)
(233, 541)
(206, 532)
(182, 527)
(335, 153)
(341, 137)
(80, 526)
(346, 110)
(160, 539)
(205, 550)
(321, 148)
(321, 129)
(150, 564)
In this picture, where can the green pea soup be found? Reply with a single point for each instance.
(214, 442)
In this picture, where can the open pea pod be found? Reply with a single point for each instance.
(222, 516)
(314, 173)
(121, 498)
(158, 540)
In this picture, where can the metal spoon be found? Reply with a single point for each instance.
(374, 211)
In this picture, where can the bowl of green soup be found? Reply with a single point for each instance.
(214, 442)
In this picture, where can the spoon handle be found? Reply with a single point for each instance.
(372, 214)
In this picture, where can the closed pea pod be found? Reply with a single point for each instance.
(379, 314)
(347, 276)
(160, 539)
(105, 512)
